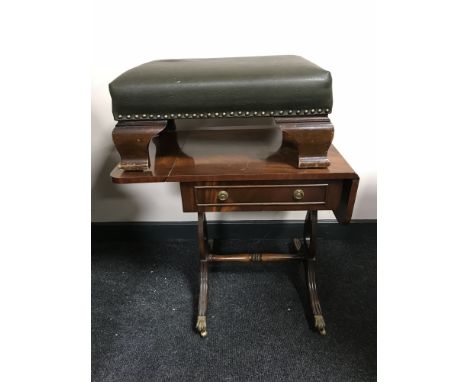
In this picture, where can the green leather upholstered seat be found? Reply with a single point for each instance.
(222, 87)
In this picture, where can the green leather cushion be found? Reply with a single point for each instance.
(222, 87)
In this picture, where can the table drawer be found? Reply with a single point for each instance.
(245, 197)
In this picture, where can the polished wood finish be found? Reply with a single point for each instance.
(305, 253)
(230, 154)
(254, 257)
(223, 194)
(232, 169)
(348, 196)
(311, 136)
(308, 137)
(132, 139)
(260, 196)
(203, 295)
(310, 237)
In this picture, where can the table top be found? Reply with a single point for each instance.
(244, 150)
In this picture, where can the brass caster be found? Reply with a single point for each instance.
(320, 324)
(201, 326)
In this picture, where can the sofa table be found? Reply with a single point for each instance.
(230, 169)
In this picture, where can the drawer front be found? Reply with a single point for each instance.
(238, 197)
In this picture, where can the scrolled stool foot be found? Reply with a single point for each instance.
(320, 324)
(201, 326)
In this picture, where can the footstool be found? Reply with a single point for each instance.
(296, 93)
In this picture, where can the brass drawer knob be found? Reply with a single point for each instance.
(298, 194)
(223, 195)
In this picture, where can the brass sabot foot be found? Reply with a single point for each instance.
(320, 324)
(201, 326)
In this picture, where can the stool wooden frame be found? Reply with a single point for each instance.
(310, 135)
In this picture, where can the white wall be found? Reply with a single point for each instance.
(337, 35)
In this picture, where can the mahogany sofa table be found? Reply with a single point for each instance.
(229, 169)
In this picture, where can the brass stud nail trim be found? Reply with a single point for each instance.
(229, 114)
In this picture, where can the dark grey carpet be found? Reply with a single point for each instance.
(144, 297)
